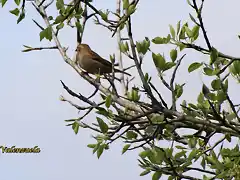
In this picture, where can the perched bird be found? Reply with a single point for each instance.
(91, 62)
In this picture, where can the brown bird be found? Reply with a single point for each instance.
(91, 62)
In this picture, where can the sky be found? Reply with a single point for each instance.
(32, 115)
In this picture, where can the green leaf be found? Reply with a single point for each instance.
(15, 11)
(213, 55)
(178, 26)
(96, 147)
(108, 101)
(103, 112)
(60, 4)
(195, 32)
(104, 15)
(182, 33)
(75, 127)
(173, 54)
(21, 17)
(194, 66)
(125, 4)
(159, 61)
(168, 152)
(168, 65)
(77, 15)
(100, 150)
(192, 106)
(46, 33)
(172, 31)
(92, 145)
(178, 90)
(138, 46)
(206, 178)
(200, 98)
(134, 95)
(142, 47)
(157, 118)
(157, 155)
(146, 77)
(60, 26)
(17, 2)
(192, 18)
(228, 136)
(157, 175)
(144, 154)
(145, 172)
(131, 135)
(180, 147)
(126, 46)
(167, 39)
(236, 65)
(216, 84)
(123, 47)
(205, 91)
(181, 46)
(231, 116)
(221, 96)
(59, 19)
(103, 126)
(208, 71)
(180, 154)
(160, 40)
(194, 152)
(125, 148)
(3, 2)
(225, 86)
(79, 27)
(188, 31)
(106, 146)
(131, 9)
(70, 120)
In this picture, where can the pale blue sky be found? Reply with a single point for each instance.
(31, 113)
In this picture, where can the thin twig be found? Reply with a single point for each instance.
(41, 3)
(172, 81)
(217, 143)
(140, 72)
(42, 28)
(79, 96)
(162, 100)
(28, 49)
(199, 15)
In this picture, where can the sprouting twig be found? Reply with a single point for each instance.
(28, 49)
(42, 28)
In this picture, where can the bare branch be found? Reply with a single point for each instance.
(199, 15)
(118, 12)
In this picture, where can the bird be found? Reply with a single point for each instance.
(93, 63)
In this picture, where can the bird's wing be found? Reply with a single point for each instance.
(98, 58)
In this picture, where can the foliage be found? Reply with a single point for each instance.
(143, 125)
